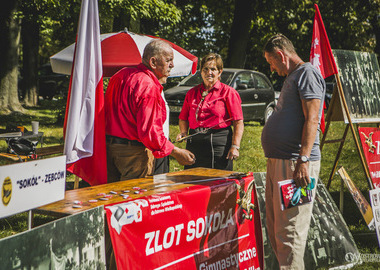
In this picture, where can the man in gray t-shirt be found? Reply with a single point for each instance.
(290, 140)
(282, 134)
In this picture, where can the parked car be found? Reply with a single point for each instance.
(254, 88)
(330, 84)
(51, 84)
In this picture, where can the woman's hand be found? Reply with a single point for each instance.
(233, 153)
(180, 136)
(183, 129)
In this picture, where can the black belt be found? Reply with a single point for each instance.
(202, 130)
(113, 139)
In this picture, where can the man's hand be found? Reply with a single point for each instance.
(310, 108)
(183, 156)
(301, 174)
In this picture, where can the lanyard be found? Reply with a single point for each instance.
(297, 194)
(204, 95)
(203, 131)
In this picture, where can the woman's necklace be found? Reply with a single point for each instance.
(204, 93)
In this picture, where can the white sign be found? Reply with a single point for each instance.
(375, 202)
(29, 185)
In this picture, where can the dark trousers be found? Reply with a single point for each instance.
(161, 165)
(211, 149)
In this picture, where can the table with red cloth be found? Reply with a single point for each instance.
(191, 219)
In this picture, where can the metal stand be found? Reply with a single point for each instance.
(338, 94)
(30, 220)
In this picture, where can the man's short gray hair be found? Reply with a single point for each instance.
(154, 48)
(279, 42)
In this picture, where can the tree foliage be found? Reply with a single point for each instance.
(236, 29)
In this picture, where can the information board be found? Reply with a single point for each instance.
(360, 77)
(370, 141)
(28, 185)
(375, 199)
(72, 242)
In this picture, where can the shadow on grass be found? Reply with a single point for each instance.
(252, 124)
(48, 113)
(53, 140)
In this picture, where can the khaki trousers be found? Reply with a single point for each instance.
(287, 229)
(126, 161)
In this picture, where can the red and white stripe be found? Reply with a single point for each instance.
(125, 49)
(84, 128)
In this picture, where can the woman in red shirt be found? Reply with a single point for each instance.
(214, 105)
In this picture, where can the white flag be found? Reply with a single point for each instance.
(84, 122)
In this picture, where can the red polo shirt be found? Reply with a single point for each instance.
(135, 110)
(221, 103)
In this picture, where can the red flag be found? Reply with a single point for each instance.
(320, 54)
(84, 127)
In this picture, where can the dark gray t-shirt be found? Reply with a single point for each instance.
(281, 136)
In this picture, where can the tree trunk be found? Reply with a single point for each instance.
(30, 42)
(239, 37)
(9, 42)
(124, 21)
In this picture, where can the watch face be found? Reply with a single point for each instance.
(304, 159)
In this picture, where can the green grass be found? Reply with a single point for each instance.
(251, 157)
(50, 115)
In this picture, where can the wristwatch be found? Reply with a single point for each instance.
(304, 158)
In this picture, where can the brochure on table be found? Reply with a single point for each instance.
(29, 185)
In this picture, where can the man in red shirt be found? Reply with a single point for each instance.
(135, 114)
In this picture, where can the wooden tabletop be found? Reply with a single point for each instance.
(79, 200)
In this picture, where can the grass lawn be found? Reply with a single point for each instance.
(251, 159)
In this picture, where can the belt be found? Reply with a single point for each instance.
(207, 130)
(117, 140)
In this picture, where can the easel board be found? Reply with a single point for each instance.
(360, 77)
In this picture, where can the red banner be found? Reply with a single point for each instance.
(213, 225)
(370, 139)
(320, 54)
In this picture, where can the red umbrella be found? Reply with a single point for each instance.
(125, 49)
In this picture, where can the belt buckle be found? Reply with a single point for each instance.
(200, 130)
